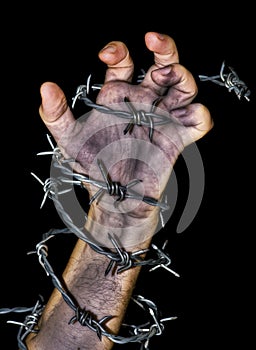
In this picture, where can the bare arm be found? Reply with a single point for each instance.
(100, 295)
(140, 157)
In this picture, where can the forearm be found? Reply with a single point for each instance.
(100, 295)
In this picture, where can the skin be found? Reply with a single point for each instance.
(84, 274)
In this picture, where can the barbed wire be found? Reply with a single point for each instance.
(85, 318)
(140, 333)
(120, 257)
(230, 80)
(112, 188)
(30, 323)
(136, 117)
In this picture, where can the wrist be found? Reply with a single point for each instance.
(132, 229)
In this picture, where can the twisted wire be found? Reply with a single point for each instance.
(80, 316)
(109, 186)
(29, 325)
(230, 80)
(141, 333)
(136, 117)
(81, 94)
(125, 260)
(120, 258)
(152, 329)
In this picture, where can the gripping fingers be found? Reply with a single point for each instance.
(180, 85)
(195, 121)
(165, 53)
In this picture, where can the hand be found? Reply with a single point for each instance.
(128, 151)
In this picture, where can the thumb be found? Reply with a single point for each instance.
(54, 110)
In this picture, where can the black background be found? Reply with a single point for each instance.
(214, 255)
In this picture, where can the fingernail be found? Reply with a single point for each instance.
(166, 70)
(160, 36)
(109, 49)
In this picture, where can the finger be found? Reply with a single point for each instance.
(54, 110)
(164, 48)
(197, 120)
(165, 53)
(120, 64)
(179, 83)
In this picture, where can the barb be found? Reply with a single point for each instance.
(141, 76)
(230, 80)
(30, 324)
(139, 115)
(142, 333)
(122, 259)
(166, 261)
(136, 117)
(85, 90)
(112, 188)
(120, 191)
(155, 328)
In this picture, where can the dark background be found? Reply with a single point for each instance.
(214, 255)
